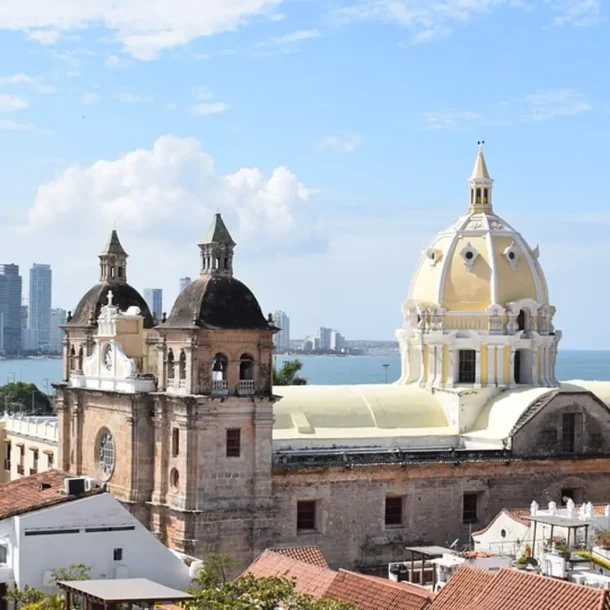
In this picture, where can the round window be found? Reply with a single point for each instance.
(469, 255)
(105, 453)
(174, 477)
(503, 533)
(511, 255)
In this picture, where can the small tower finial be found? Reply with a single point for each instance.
(480, 184)
(480, 144)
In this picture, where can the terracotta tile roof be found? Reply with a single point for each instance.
(308, 579)
(476, 589)
(307, 554)
(373, 593)
(463, 588)
(35, 492)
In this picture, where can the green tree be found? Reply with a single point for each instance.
(20, 397)
(29, 598)
(213, 590)
(288, 374)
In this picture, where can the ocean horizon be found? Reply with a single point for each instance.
(328, 370)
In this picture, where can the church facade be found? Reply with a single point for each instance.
(180, 419)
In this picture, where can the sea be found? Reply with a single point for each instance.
(326, 370)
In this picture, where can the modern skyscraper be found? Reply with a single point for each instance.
(40, 304)
(281, 340)
(154, 298)
(324, 335)
(10, 309)
(58, 317)
(184, 282)
(337, 341)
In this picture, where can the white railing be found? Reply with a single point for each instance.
(219, 386)
(246, 386)
(40, 428)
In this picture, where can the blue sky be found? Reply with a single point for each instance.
(335, 137)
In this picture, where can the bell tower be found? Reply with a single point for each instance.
(113, 261)
(217, 250)
(480, 185)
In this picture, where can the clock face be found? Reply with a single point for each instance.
(108, 357)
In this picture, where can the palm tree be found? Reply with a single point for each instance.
(287, 375)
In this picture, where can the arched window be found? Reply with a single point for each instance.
(226, 263)
(170, 364)
(246, 368)
(484, 195)
(182, 364)
(471, 196)
(120, 271)
(478, 195)
(217, 263)
(80, 358)
(219, 368)
(517, 367)
(111, 271)
(521, 320)
(72, 358)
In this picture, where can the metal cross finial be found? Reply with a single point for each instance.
(480, 144)
(110, 297)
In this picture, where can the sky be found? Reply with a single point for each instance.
(336, 138)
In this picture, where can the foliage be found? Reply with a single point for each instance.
(26, 398)
(213, 590)
(603, 539)
(521, 561)
(29, 598)
(288, 374)
(528, 550)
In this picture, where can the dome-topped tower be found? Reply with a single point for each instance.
(478, 310)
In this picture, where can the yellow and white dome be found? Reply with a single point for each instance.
(479, 261)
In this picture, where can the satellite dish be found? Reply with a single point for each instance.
(532, 562)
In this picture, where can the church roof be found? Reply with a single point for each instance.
(218, 233)
(113, 246)
(217, 302)
(479, 171)
(124, 296)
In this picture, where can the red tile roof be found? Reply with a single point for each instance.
(365, 592)
(308, 579)
(35, 492)
(307, 554)
(463, 588)
(476, 589)
(373, 593)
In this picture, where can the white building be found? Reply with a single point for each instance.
(29, 445)
(281, 340)
(323, 337)
(41, 278)
(337, 341)
(58, 317)
(43, 528)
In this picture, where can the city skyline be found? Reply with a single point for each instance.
(334, 140)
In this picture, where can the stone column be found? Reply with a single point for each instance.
(535, 376)
(66, 358)
(450, 366)
(511, 371)
(491, 365)
(422, 365)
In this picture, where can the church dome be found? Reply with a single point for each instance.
(479, 261)
(113, 277)
(216, 303)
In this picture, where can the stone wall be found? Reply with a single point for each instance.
(351, 502)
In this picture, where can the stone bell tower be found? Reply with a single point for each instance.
(213, 413)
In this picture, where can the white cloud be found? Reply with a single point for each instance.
(170, 187)
(45, 37)
(449, 119)
(207, 108)
(114, 62)
(134, 98)
(292, 37)
(7, 125)
(435, 19)
(9, 103)
(24, 79)
(89, 98)
(344, 142)
(143, 32)
(548, 105)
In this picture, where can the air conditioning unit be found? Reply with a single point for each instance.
(75, 486)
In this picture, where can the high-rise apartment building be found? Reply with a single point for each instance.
(40, 304)
(154, 300)
(184, 282)
(281, 339)
(323, 336)
(337, 341)
(10, 309)
(58, 317)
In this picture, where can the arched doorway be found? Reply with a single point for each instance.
(523, 367)
(521, 320)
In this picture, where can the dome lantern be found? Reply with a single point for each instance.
(113, 261)
(480, 184)
(217, 250)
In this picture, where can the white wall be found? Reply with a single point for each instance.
(492, 540)
(143, 555)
